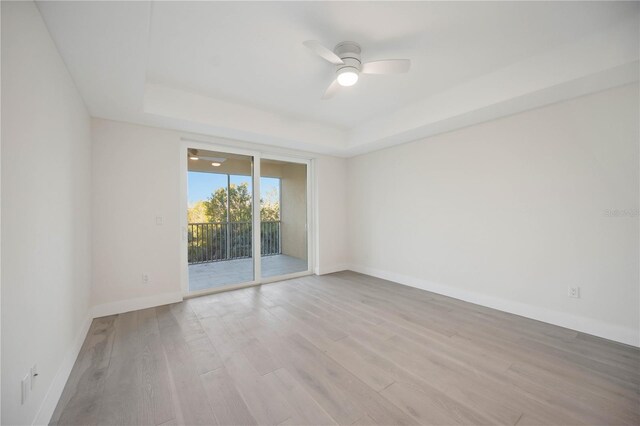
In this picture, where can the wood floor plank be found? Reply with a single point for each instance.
(306, 410)
(188, 390)
(267, 405)
(364, 421)
(582, 390)
(345, 349)
(317, 379)
(351, 308)
(435, 379)
(123, 400)
(428, 410)
(226, 402)
(496, 343)
(154, 370)
(572, 398)
(259, 357)
(313, 320)
(81, 399)
(343, 354)
(320, 309)
(362, 396)
(205, 357)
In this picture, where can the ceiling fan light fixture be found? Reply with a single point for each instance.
(347, 76)
(346, 57)
(193, 154)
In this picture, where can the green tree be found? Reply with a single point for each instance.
(197, 213)
(270, 206)
(239, 204)
(215, 207)
(211, 243)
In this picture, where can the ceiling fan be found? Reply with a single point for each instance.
(346, 57)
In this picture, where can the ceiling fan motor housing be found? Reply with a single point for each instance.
(346, 58)
(349, 52)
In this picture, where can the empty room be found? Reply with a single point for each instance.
(320, 213)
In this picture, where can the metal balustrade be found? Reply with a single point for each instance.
(214, 242)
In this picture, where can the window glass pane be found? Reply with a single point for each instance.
(283, 215)
(219, 215)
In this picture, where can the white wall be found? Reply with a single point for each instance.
(136, 177)
(293, 211)
(46, 246)
(331, 206)
(511, 212)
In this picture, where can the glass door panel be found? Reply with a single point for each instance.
(283, 217)
(219, 216)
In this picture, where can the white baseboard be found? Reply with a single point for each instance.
(331, 269)
(613, 332)
(51, 398)
(129, 305)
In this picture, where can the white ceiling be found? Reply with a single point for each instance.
(239, 69)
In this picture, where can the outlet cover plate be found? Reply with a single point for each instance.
(573, 292)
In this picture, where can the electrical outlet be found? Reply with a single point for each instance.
(34, 374)
(574, 292)
(145, 278)
(25, 387)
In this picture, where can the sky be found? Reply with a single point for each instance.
(201, 185)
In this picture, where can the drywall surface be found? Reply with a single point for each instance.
(293, 216)
(512, 212)
(331, 219)
(136, 179)
(46, 184)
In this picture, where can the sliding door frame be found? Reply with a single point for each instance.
(309, 228)
(257, 156)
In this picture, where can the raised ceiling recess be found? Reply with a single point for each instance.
(240, 70)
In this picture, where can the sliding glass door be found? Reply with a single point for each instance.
(247, 219)
(283, 212)
(219, 219)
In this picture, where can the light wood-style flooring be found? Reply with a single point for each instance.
(344, 349)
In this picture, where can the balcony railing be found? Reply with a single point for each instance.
(213, 242)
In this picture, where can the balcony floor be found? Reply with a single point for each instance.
(226, 272)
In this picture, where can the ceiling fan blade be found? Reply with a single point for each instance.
(331, 90)
(387, 66)
(323, 52)
(214, 159)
